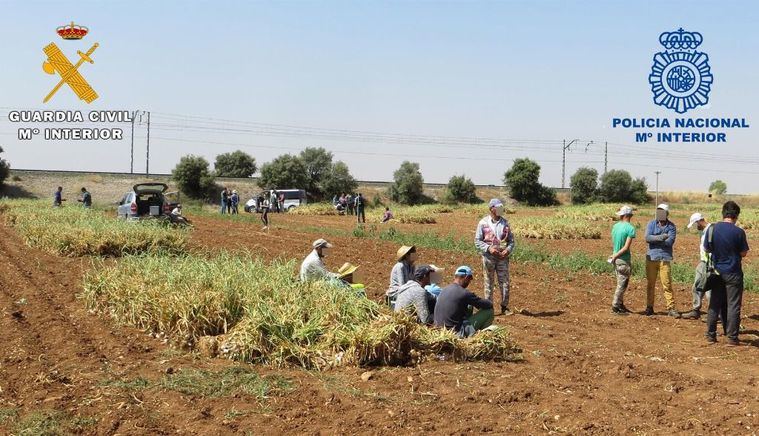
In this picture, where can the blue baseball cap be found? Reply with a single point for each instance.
(464, 270)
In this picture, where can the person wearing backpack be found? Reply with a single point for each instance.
(728, 246)
(700, 288)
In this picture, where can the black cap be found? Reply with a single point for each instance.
(422, 271)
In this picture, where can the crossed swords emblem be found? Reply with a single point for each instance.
(57, 62)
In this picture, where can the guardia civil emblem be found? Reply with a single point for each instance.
(681, 77)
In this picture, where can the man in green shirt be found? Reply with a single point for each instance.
(622, 235)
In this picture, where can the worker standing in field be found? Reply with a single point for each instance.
(622, 235)
(58, 197)
(313, 267)
(728, 245)
(350, 202)
(360, 204)
(660, 236)
(264, 213)
(701, 287)
(495, 241)
(234, 200)
(224, 199)
(86, 199)
(273, 201)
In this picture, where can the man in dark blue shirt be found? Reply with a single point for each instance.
(58, 197)
(728, 245)
(453, 311)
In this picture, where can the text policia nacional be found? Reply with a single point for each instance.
(705, 133)
(68, 133)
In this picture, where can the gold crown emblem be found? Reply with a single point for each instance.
(72, 31)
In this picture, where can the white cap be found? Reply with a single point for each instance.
(321, 243)
(696, 217)
(625, 210)
(663, 206)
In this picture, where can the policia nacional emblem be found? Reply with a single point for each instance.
(681, 77)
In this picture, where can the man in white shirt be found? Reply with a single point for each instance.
(495, 242)
(313, 267)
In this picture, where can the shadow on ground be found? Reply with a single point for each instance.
(14, 191)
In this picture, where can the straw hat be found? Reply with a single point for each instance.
(404, 250)
(347, 269)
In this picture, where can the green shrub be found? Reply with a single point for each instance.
(235, 164)
(408, 184)
(194, 177)
(523, 185)
(584, 185)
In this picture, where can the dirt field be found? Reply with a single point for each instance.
(584, 370)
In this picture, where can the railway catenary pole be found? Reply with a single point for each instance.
(131, 149)
(564, 149)
(606, 156)
(147, 152)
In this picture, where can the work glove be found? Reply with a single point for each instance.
(663, 237)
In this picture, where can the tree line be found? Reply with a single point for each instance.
(315, 170)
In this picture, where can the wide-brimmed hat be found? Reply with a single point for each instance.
(347, 269)
(404, 250)
(321, 243)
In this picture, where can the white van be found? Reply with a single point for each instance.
(292, 198)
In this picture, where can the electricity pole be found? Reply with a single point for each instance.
(564, 149)
(147, 154)
(606, 156)
(657, 187)
(131, 151)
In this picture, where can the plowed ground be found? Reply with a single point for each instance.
(585, 370)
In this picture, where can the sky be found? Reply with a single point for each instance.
(461, 87)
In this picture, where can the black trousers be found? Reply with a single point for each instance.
(727, 296)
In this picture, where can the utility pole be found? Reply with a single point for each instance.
(147, 154)
(564, 149)
(131, 152)
(606, 156)
(657, 187)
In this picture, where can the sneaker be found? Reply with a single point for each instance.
(624, 308)
(618, 310)
(505, 311)
(733, 342)
(649, 311)
(673, 313)
(711, 338)
(693, 314)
